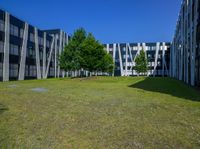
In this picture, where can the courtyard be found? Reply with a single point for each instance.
(99, 112)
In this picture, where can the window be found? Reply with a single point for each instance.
(40, 41)
(1, 47)
(33, 71)
(41, 55)
(31, 52)
(124, 49)
(13, 70)
(31, 37)
(26, 70)
(14, 50)
(1, 69)
(159, 63)
(51, 71)
(48, 43)
(149, 55)
(21, 33)
(135, 48)
(129, 67)
(14, 30)
(2, 26)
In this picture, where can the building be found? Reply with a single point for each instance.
(185, 52)
(27, 52)
(124, 55)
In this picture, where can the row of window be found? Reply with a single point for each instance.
(15, 31)
(13, 72)
(150, 56)
(151, 72)
(14, 49)
(152, 48)
(2, 26)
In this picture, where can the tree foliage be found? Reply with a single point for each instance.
(141, 65)
(70, 57)
(84, 52)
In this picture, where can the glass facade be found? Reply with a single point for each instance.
(15, 46)
(157, 56)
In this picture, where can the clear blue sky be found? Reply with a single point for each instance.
(109, 20)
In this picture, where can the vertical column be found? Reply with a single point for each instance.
(131, 56)
(114, 55)
(23, 54)
(44, 56)
(163, 59)
(145, 50)
(181, 62)
(170, 61)
(37, 54)
(67, 39)
(156, 58)
(55, 55)
(126, 60)
(195, 78)
(50, 55)
(193, 65)
(60, 50)
(138, 52)
(144, 47)
(183, 47)
(6, 48)
(172, 65)
(186, 41)
(191, 46)
(175, 60)
(120, 60)
(64, 43)
(107, 48)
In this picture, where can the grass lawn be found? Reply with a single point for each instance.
(103, 112)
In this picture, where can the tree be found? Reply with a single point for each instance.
(141, 65)
(86, 53)
(106, 64)
(70, 58)
(94, 57)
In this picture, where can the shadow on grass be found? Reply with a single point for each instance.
(3, 108)
(168, 86)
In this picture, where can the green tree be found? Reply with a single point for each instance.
(106, 64)
(94, 57)
(70, 59)
(84, 52)
(141, 65)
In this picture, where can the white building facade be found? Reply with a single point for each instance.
(124, 55)
(185, 52)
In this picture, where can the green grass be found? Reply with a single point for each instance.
(101, 112)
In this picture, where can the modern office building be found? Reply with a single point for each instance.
(27, 52)
(185, 52)
(124, 54)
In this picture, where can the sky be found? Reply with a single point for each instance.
(111, 21)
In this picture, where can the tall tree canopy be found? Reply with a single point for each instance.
(70, 58)
(141, 65)
(86, 53)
